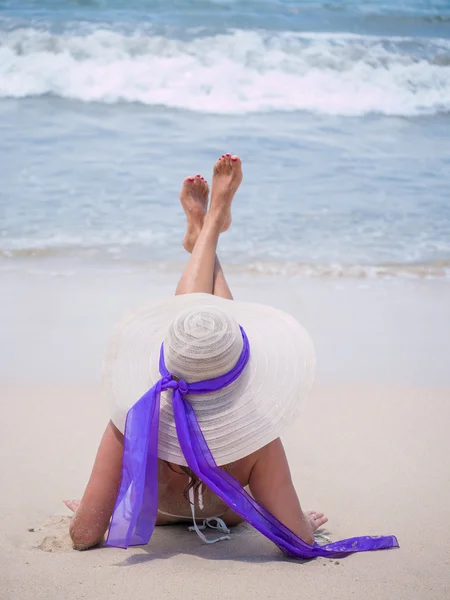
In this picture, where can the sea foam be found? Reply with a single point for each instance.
(235, 72)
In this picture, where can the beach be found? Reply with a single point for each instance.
(370, 447)
(373, 471)
(340, 113)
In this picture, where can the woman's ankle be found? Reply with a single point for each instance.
(214, 221)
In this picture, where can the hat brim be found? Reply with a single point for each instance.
(252, 412)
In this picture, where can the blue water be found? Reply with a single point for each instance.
(339, 110)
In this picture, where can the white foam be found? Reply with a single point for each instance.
(236, 72)
(62, 257)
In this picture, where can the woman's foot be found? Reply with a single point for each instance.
(227, 177)
(194, 199)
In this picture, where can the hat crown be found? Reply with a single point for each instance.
(202, 343)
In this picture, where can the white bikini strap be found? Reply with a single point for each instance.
(219, 524)
(200, 496)
(206, 522)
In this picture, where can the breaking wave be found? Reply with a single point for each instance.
(239, 71)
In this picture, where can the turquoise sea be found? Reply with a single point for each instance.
(339, 110)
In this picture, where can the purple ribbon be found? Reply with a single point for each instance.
(136, 508)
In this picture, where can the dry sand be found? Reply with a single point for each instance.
(374, 455)
(376, 459)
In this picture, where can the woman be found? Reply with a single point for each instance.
(257, 382)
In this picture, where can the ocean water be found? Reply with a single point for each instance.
(339, 110)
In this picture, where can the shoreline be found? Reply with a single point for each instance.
(378, 331)
(47, 262)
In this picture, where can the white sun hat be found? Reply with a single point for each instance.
(202, 340)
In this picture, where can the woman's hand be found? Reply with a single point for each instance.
(316, 519)
(72, 505)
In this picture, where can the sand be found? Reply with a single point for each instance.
(375, 460)
(371, 451)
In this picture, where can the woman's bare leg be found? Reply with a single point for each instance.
(204, 272)
(220, 283)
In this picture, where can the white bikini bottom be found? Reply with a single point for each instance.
(211, 522)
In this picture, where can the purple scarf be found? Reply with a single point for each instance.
(136, 508)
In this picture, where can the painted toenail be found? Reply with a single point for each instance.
(227, 154)
(191, 179)
(234, 159)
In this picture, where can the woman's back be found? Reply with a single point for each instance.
(173, 498)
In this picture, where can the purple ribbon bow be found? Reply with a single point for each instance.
(136, 508)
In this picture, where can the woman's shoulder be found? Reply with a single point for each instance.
(270, 455)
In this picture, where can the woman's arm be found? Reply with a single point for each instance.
(271, 485)
(92, 517)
